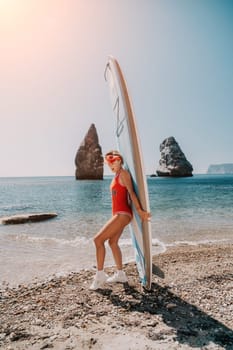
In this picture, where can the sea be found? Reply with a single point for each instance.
(190, 210)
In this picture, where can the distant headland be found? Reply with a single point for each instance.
(226, 169)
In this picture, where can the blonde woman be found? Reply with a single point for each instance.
(122, 193)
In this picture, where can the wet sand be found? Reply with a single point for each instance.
(190, 306)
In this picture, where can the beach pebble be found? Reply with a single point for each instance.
(2, 336)
(170, 306)
(46, 345)
(155, 336)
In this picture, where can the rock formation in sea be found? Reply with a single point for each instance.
(226, 169)
(173, 161)
(89, 159)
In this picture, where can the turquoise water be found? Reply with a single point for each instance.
(188, 210)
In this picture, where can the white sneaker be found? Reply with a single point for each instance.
(118, 277)
(99, 280)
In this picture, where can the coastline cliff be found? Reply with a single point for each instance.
(225, 169)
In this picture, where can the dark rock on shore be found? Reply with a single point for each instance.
(89, 159)
(173, 161)
(24, 218)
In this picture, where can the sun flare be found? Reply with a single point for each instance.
(8, 7)
(14, 12)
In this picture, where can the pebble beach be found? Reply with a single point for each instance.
(190, 306)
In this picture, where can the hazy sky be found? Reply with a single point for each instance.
(177, 56)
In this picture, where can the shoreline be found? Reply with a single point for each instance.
(189, 306)
(37, 267)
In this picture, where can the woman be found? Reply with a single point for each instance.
(121, 189)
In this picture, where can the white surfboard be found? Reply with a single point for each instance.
(129, 147)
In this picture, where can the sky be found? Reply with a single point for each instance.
(177, 58)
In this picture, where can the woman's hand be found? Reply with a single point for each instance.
(144, 215)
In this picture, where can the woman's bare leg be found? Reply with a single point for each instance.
(112, 232)
(116, 251)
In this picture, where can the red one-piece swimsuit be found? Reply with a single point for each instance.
(120, 198)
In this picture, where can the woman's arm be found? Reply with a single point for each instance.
(126, 180)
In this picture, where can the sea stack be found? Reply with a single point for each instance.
(89, 159)
(173, 161)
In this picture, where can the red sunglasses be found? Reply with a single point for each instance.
(112, 158)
